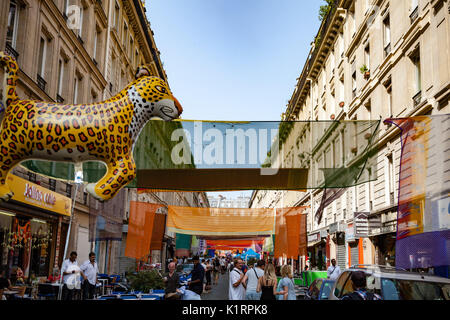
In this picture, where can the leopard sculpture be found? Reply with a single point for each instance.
(105, 131)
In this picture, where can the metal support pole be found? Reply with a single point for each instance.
(67, 240)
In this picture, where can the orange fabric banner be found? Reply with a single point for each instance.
(159, 225)
(220, 221)
(140, 229)
(290, 232)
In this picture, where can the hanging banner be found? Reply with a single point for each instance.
(183, 245)
(423, 216)
(140, 229)
(189, 155)
(288, 225)
(220, 221)
(159, 225)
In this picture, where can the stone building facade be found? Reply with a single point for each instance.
(77, 51)
(371, 59)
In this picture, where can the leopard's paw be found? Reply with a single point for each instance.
(91, 189)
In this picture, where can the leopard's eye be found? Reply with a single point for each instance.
(161, 89)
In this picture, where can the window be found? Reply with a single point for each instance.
(77, 88)
(417, 72)
(60, 81)
(390, 180)
(94, 55)
(52, 184)
(353, 81)
(31, 176)
(69, 190)
(124, 34)
(80, 30)
(367, 55)
(414, 10)
(116, 16)
(388, 86)
(130, 53)
(13, 23)
(387, 35)
(42, 57)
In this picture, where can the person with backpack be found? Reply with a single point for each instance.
(251, 278)
(333, 271)
(360, 292)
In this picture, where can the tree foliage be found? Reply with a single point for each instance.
(326, 9)
(146, 280)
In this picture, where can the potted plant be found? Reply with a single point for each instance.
(332, 116)
(341, 104)
(365, 71)
(354, 149)
(367, 135)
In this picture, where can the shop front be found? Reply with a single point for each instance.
(383, 236)
(317, 250)
(33, 227)
(337, 243)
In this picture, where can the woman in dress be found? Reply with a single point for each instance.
(286, 285)
(268, 283)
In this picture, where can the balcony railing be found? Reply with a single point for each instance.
(59, 99)
(41, 82)
(417, 98)
(10, 50)
(413, 16)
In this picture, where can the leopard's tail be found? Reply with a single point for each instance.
(8, 87)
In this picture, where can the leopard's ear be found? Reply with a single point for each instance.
(142, 71)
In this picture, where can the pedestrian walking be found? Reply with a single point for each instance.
(360, 292)
(216, 270)
(267, 284)
(71, 277)
(90, 270)
(237, 286)
(251, 279)
(286, 286)
(171, 281)
(208, 271)
(333, 271)
(198, 275)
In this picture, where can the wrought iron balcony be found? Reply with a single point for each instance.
(10, 50)
(41, 82)
(417, 98)
(413, 16)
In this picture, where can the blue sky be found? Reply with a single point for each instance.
(233, 59)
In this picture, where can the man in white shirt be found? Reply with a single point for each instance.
(237, 286)
(71, 276)
(333, 271)
(253, 276)
(90, 270)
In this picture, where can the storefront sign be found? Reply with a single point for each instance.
(350, 233)
(361, 224)
(375, 225)
(314, 237)
(37, 196)
(323, 233)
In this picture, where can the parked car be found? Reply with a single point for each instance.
(394, 284)
(320, 289)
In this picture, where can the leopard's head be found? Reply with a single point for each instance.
(154, 99)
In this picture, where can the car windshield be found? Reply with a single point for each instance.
(397, 289)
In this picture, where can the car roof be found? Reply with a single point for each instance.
(390, 272)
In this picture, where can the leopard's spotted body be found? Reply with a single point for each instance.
(104, 131)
